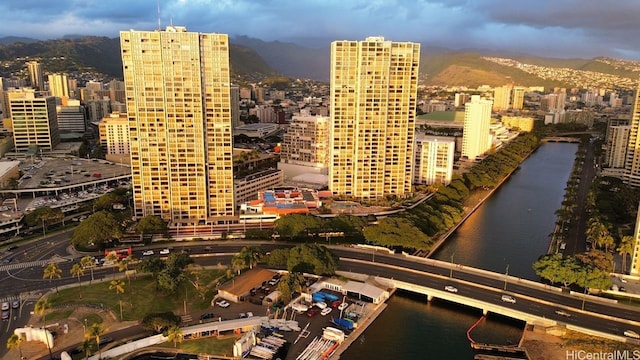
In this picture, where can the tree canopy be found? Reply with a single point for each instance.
(99, 229)
(152, 224)
(312, 258)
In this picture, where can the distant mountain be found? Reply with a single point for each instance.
(102, 54)
(291, 59)
(14, 39)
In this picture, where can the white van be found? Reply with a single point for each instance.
(509, 299)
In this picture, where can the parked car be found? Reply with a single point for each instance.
(312, 312)
(249, 314)
(343, 306)
(223, 303)
(325, 311)
(321, 305)
(206, 316)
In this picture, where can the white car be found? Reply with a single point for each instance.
(321, 305)
(632, 334)
(147, 252)
(343, 306)
(5, 306)
(451, 289)
(325, 311)
(563, 313)
(509, 299)
(164, 251)
(623, 280)
(223, 303)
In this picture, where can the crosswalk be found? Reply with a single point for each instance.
(40, 263)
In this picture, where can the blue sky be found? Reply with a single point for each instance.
(553, 28)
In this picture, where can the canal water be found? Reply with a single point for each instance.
(510, 229)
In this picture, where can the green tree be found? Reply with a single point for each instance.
(277, 257)
(312, 258)
(94, 332)
(99, 229)
(86, 346)
(40, 308)
(118, 287)
(15, 342)
(43, 216)
(153, 266)
(174, 334)
(396, 231)
(152, 224)
(87, 262)
(158, 322)
(77, 270)
(52, 271)
(625, 248)
(238, 263)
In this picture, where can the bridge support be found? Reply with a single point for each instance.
(429, 298)
(485, 312)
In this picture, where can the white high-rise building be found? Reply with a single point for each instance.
(114, 134)
(476, 138)
(179, 109)
(34, 121)
(632, 162)
(374, 87)
(433, 160)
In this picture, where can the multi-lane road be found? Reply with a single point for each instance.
(24, 274)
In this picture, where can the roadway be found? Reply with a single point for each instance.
(23, 277)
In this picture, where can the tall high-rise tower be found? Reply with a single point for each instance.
(373, 100)
(632, 163)
(58, 85)
(476, 138)
(35, 75)
(178, 104)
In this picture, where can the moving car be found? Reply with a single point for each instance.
(164, 251)
(223, 303)
(5, 306)
(509, 299)
(451, 289)
(563, 313)
(631, 334)
(147, 252)
(15, 304)
(5, 315)
(207, 316)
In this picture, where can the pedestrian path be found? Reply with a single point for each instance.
(40, 263)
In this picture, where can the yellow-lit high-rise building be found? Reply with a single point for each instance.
(632, 163)
(58, 85)
(178, 103)
(373, 100)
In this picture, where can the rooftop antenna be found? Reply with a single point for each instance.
(159, 26)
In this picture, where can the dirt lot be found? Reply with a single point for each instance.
(542, 346)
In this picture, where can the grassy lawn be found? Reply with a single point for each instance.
(209, 345)
(140, 296)
(59, 315)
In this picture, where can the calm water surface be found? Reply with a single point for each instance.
(509, 229)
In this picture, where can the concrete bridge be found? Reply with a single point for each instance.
(560, 139)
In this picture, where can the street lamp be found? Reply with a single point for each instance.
(44, 231)
(506, 276)
(451, 268)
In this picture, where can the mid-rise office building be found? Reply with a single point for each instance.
(71, 117)
(522, 123)
(433, 160)
(460, 99)
(476, 137)
(179, 109)
(373, 100)
(34, 121)
(58, 85)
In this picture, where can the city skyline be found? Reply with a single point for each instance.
(578, 28)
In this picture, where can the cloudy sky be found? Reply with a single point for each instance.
(555, 28)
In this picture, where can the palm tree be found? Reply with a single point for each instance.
(625, 248)
(252, 255)
(87, 262)
(40, 308)
(174, 334)
(15, 342)
(118, 286)
(77, 270)
(238, 262)
(52, 271)
(93, 332)
(86, 346)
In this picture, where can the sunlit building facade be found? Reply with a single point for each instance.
(476, 137)
(178, 104)
(434, 160)
(373, 100)
(632, 163)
